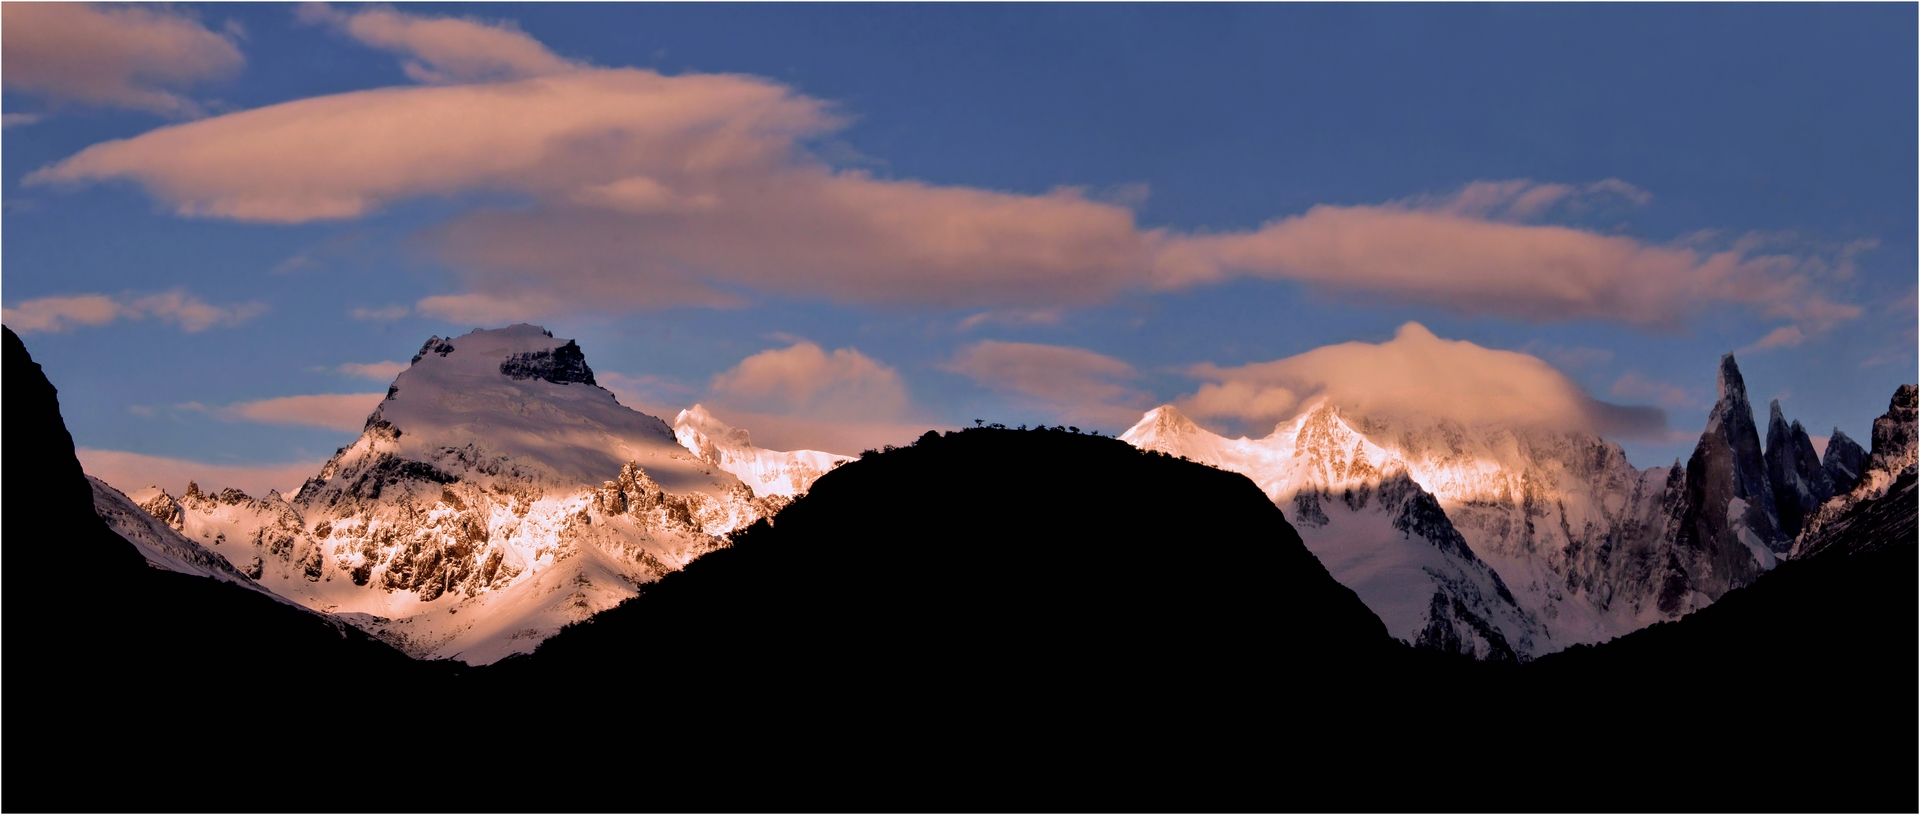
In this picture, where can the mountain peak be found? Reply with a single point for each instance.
(1730, 385)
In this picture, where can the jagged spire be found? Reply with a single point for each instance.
(1730, 385)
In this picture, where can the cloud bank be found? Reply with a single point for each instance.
(1415, 374)
(128, 472)
(133, 57)
(645, 191)
(189, 313)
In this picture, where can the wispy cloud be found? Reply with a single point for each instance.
(377, 371)
(381, 313)
(189, 313)
(699, 189)
(129, 472)
(136, 57)
(333, 411)
(442, 50)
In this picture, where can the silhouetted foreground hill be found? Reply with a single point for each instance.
(128, 687)
(988, 620)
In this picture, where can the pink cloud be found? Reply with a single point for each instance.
(1077, 384)
(644, 191)
(377, 371)
(128, 472)
(136, 57)
(1415, 374)
(334, 411)
(444, 50)
(1452, 255)
(190, 313)
(1632, 385)
(807, 381)
(1786, 336)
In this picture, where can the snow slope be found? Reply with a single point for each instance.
(768, 472)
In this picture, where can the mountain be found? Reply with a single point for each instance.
(1880, 510)
(1587, 546)
(495, 495)
(767, 472)
(1358, 509)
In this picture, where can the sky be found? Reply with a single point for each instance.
(226, 227)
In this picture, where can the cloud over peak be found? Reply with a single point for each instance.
(1415, 374)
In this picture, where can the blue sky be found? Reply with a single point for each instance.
(897, 201)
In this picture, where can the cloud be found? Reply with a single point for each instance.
(377, 371)
(134, 57)
(653, 395)
(1078, 384)
(1464, 254)
(804, 380)
(61, 313)
(1786, 336)
(383, 313)
(1632, 385)
(333, 411)
(1568, 358)
(190, 313)
(1415, 374)
(1014, 317)
(129, 472)
(633, 190)
(11, 120)
(443, 50)
(782, 432)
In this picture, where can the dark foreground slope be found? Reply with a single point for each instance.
(123, 681)
(989, 620)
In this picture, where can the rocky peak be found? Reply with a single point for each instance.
(1729, 527)
(563, 365)
(1800, 485)
(1894, 444)
(1844, 462)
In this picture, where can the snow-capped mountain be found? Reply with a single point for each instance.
(1378, 532)
(767, 472)
(496, 495)
(1588, 546)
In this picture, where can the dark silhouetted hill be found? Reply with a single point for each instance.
(131, 688)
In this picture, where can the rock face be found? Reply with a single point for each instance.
(1880, 510)
(1843, 463)
(1727, 532)
(1799, 481)
(1375, 528)
(496, 495)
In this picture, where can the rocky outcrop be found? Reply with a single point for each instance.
(1843, 463)
(1880, 510)
(560, 365)
(1799, 481)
